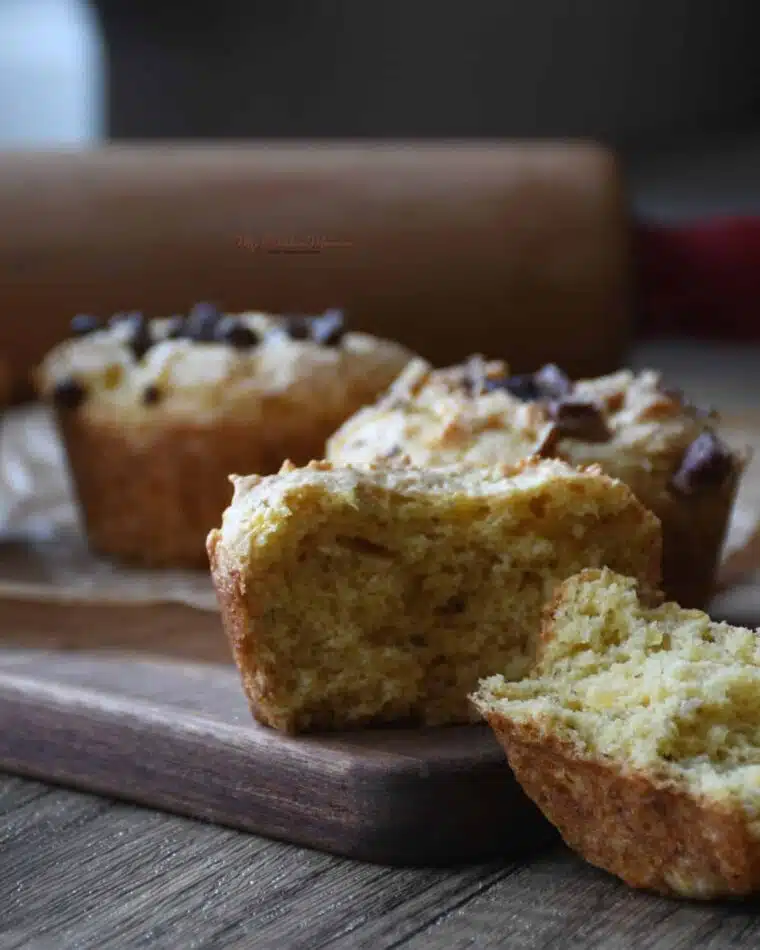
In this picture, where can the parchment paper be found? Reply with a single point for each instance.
(43, 554)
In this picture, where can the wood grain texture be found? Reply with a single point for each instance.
(81, 872)
(180, 737)
(85, 873)
(165, 631)
(96, 875)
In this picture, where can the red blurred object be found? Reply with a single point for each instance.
(700, 280)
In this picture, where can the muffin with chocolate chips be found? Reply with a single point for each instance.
(667, 451)
(155, 414)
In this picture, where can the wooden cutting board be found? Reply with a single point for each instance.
(141, 703)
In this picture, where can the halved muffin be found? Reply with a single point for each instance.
(638, 736)
(361, 596)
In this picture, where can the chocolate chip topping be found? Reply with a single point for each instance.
(579, 420)
(151, 395)
(83, 324)
(549, 383)
(69, 393)
(206, 324)
(523, 388)
(329, 329)
(174, 328)
(552, 382)
(236, 334)
(201, 323)
(297, 327)
(706, 463)
(139, 339)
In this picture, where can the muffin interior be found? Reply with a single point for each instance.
(391, 604)
(657, 688)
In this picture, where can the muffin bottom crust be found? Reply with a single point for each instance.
(648, 832)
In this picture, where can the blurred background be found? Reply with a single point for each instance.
(672, 84)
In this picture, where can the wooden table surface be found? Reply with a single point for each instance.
(79, 872)
(84, 873)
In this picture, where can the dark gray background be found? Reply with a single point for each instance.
(628, 72)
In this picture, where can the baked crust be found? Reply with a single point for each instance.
(237, 613)
(693, 533)
(646, 830)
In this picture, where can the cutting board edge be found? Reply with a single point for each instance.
(398, 817)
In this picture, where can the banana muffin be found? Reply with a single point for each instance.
(361, 596)
(638, 736)
(155, 414)
(666, 450)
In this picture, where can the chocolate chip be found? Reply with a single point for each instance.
(204, 309)
(174, 328)
(523, 388)
(297, 327)
(549, 383)
(82, 324)
(139, 337)
(329, 329)
(706, 463)
(583, 421)
(69, 394)
(552, 382)
(151, 394)
(237, 334)
(201, 323)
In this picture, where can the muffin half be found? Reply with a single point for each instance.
(638, 736)
(354, 597)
